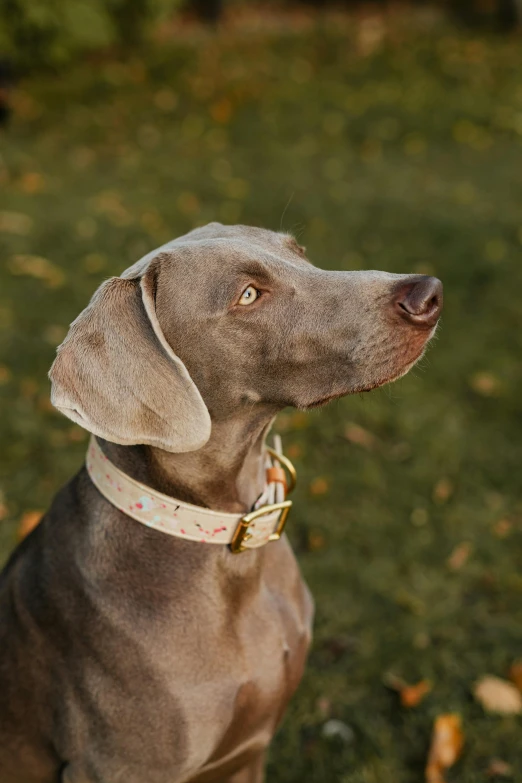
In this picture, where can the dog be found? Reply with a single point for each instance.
(132, 655)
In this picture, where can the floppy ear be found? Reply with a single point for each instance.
(116, 375)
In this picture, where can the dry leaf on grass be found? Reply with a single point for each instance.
(460, 556)
(39, 268)
(486, 384)
(15, 223)
(499, 769)
(496, 695)
(515, 674)
(28, 522)
(446, 746)
(3, 507)
(502, 528)
(338, 729)
(319, 486)
(410, 695)
(358, 435)
(294, 450)
(315, 541)
(442, 491)
(324, 706)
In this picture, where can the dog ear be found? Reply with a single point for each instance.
(116, 375)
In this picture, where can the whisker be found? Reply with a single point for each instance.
(285, 209)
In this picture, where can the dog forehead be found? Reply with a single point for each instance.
(238, 232)
(221, 242)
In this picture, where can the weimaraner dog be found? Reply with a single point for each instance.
(129, 655)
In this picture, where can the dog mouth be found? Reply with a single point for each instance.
(370, 386)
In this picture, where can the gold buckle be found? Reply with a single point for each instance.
(242, 535)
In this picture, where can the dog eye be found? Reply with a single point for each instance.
(249, 295)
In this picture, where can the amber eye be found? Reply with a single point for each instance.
(249, 295)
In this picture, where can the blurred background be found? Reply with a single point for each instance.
(383, 136)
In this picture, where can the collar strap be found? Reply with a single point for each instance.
(152, 508)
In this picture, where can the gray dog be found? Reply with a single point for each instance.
(129, 655)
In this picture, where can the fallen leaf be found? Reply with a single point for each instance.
(486, 384)
(221, 111)
(515, 674)
(32, 182)
(15, 223)
(446, 746)
(336, 728)
(319, 486)
(502, 528)
(358, 435)
(460, 556)
(5, 374)
(76, 434)
(496, 695)
(315, 541)
(36, 266)
(370, 34)
(28, 522)
(412, 695)
(110, 204)
(324, 706)
(499, 769)
(293, 450)
(442, 490)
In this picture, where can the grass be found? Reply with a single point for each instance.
(396, 148)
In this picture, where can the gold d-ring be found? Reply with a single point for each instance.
(285, 462)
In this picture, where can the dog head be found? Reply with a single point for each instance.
(227, 317)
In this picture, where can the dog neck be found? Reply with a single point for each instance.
(227, 474)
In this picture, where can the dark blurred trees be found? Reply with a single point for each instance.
(35, 33)
(500, 14)
(207, 10)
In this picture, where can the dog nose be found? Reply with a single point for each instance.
(420, 302)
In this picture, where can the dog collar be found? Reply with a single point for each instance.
(264, 523)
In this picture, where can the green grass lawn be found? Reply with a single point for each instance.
(402, 154)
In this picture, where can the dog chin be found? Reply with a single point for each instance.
(368, 385)
(400, 373)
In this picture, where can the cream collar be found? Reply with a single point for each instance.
(240, 531)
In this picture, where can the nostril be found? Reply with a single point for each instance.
(420, 301)
(433, 302)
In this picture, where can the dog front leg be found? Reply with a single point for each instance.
(73, 773)
(252, 773)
